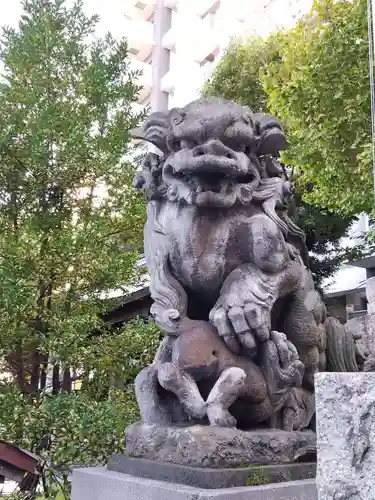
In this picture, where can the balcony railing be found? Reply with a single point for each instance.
(356, 314)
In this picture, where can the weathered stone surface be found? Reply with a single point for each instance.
(345, 412)
(364, 327)
(370, 294)
(102, 484)
(216, 447)
(211, 478)
(229, 276)
(221, 252)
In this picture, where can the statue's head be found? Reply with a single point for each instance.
(213, 150)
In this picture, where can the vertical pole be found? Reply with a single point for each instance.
(160, 56)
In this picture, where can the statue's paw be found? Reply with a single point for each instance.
(219, 417)
(175, 380)
(281, 366)
(197, 410)
(242, 326)
(286, 359)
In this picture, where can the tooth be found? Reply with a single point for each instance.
(199, 189)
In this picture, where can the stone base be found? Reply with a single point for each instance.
(211, 478)
(216, 447)
(102, 484)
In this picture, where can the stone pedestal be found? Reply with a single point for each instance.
(345, 416)
(217, 447)
(201, 463)
(102, 484)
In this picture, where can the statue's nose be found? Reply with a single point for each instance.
(213, 147)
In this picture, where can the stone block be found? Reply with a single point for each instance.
(211, 478)
(345, 417)
(102, 484)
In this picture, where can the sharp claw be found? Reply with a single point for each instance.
(275, 336)
(263, 333)
(253, 315)
(248, 341)
(219, 319)
(256, 320)
(237, 318)
(270, 351)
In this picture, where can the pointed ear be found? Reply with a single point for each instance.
(273, 139)
(155, 130)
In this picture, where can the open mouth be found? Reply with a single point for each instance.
(208, 182)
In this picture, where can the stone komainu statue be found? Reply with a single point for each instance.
(245, 332)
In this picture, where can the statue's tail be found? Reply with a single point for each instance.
(342, 350)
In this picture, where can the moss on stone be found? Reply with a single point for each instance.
(257, 478)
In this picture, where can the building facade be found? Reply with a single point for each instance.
(176, 43)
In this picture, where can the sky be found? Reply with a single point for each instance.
(111, 13)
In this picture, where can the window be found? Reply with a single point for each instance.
(213, 9)
(151, 19)
(363, 304)
(141, 5)
(210, 58)
(148, 59)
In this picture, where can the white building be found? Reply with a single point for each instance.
(176, 43)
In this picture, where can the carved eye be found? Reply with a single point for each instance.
(177, 120)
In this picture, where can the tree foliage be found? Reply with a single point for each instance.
(237, 76)
(321, 91)
(308, 76)
(67, 107)
(85, 426)
(68, 216)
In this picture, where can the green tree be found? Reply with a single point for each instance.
(85, 426)
(321, 91)
(238, 75)
(68, 214)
